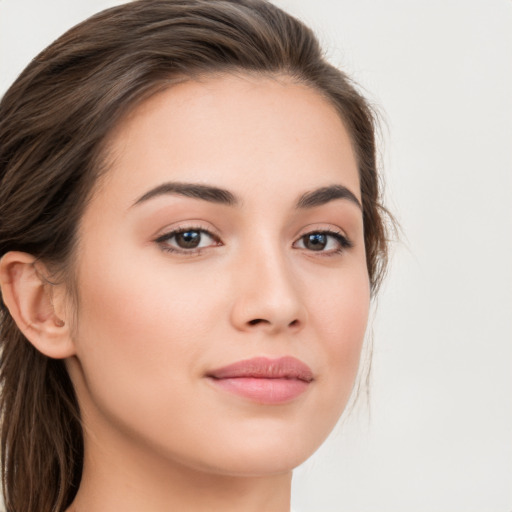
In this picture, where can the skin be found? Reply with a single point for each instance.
(150, 324)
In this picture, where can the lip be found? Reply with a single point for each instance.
(264, 380)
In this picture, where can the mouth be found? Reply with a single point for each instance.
(263, 380)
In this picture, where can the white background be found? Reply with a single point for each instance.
(438, 434)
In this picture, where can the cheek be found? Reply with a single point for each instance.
(138, 334)
(340, 317)
(344, 319)
(141, 320)
(340, 310)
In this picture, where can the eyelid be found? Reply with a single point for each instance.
(186, 225)
(319, 227)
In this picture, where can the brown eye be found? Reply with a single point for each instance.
(188, 239)
(326, 242)
(315, 241)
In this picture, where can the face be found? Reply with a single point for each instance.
(223, 289)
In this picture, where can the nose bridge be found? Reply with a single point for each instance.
(267, 294)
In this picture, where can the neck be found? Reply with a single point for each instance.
(120, 475)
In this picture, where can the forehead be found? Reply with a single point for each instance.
(237, 132)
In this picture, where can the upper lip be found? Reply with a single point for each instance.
(264, 368)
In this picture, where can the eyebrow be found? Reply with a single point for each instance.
(218, 195)
(195, 190)
(324, 195)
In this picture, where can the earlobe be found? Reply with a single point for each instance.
(29, 298)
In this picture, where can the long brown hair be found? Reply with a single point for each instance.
(54, 121)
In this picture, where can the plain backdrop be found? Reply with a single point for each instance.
(437, 433)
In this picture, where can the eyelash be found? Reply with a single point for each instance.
(343, 242)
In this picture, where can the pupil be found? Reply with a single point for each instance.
(315, 241)
(188, 239)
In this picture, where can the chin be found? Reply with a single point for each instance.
(260, 464)
(261, 451)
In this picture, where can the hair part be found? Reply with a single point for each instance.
(54, 126)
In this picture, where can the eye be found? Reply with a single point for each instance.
(187, 240)
(330, 242)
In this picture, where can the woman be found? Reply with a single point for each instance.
(190, 233)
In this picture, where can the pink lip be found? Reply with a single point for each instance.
(266, 381)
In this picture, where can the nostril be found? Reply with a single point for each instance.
(256, 321)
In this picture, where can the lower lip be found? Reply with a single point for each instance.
(264, 391)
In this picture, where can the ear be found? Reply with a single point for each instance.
(31, 301)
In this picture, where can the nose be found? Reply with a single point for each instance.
(268, 296)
